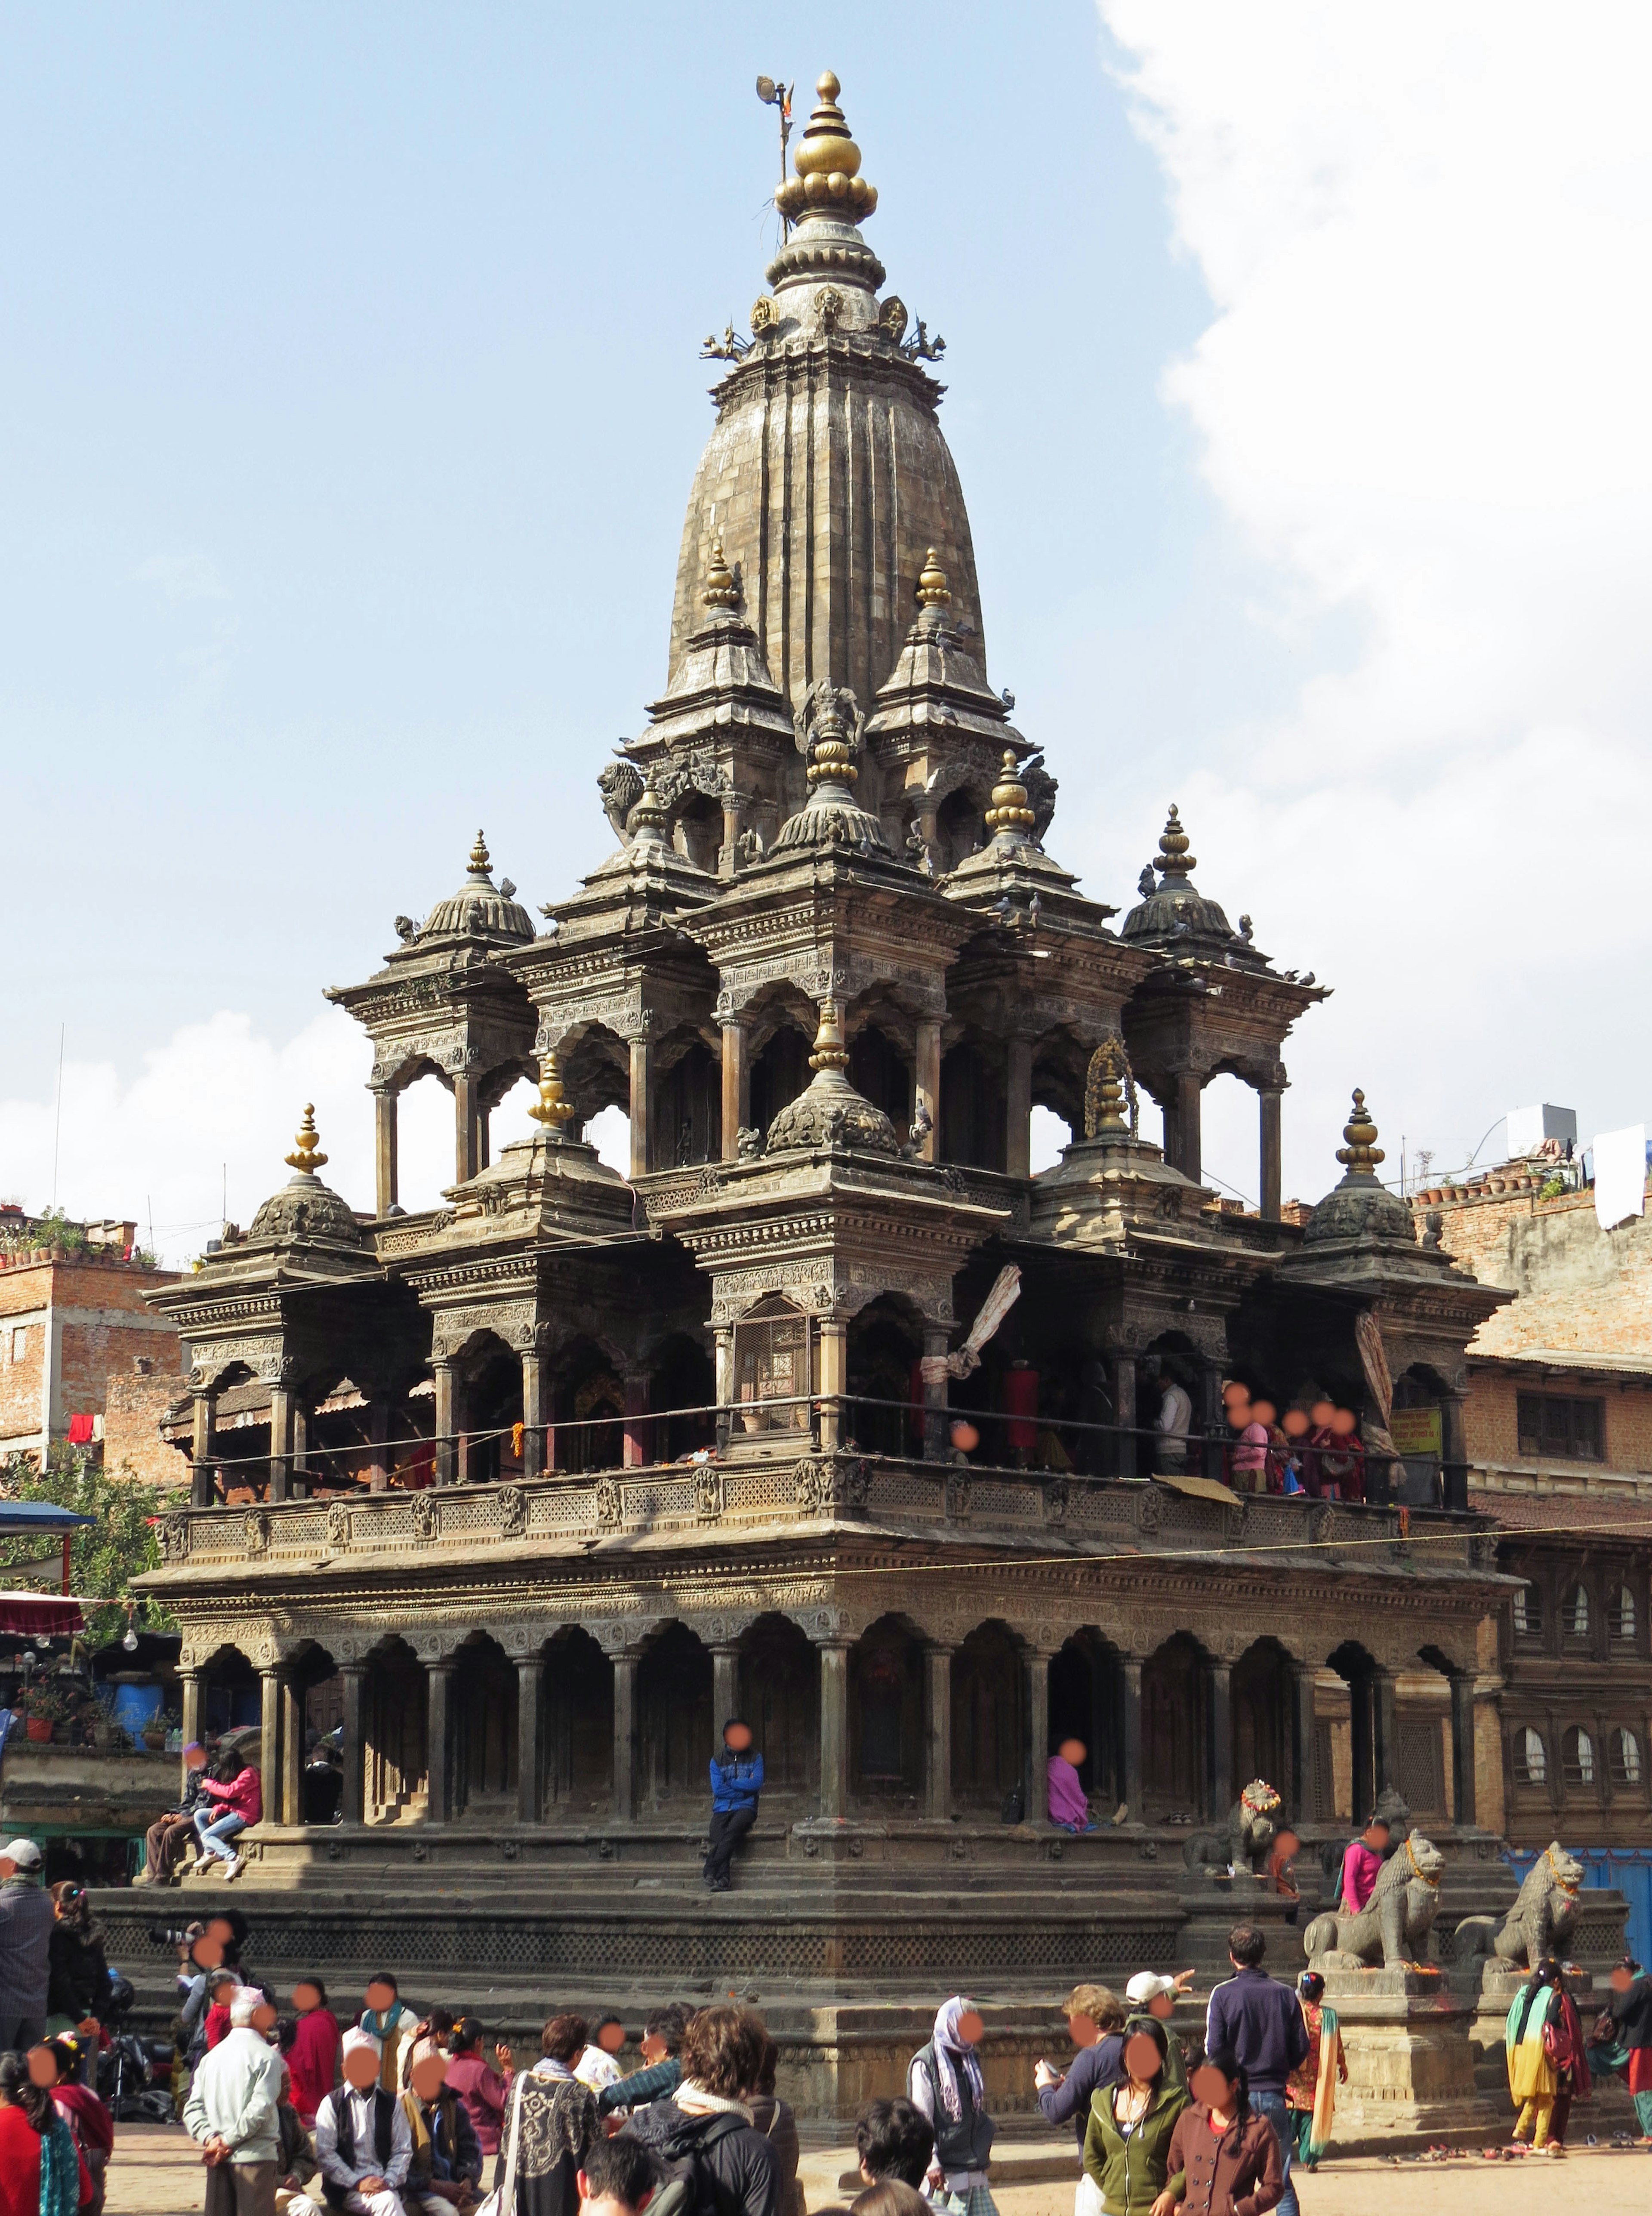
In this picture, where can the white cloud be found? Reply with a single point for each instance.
(183, 577)
(1421, 403)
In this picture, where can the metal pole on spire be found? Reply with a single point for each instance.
(773, 93)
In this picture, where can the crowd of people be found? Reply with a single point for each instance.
(1311, 1452)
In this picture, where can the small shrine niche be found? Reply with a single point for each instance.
(776, 1364)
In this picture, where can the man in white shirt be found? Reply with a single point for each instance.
(1175, 1421)
(233, 2100)
(364, 2142)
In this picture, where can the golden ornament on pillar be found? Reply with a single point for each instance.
(828, 164)
(829, 1050)
(1175, 860)
(720, 590)
(550, 1110)
(306, 1157)
(1010, 810)
(1361, 1154)
(933, 590)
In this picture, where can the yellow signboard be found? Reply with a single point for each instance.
(1416, 1431)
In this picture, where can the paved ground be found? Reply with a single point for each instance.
(156, 2173)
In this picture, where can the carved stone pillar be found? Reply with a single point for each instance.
(642, 1104)
(529, 1707)
(1300, 1802)
(269, 1741)
(1018, 1109)
(385, 1164)
(447, 1457)
(725, 1687)
(1385, 1745)
(1130, 1667)
(355, 1749)
(536, 1412)
(938, 1732)
(625, 1738)
(1267, 1098)
(281, 1441)
(834, 1378)
(292, 1804)
(1124, 1404)
(378, 1438)
(1463, 1813)
(635, 1449)
(834, 1728)
(1035, 1665)
(928, 1075)
(466, 1149)
(189, 1709)
(1219, 1705)
(736, 1089)
(1183, 1147)
(728, 852)
(439, 1678)
(936, 1342)
(204, 1412)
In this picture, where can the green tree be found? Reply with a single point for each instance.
(104, 1555)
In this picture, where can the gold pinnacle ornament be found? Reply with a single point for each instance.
(1361, 1154)
(720, 590)
(831, 757)
(828, 162)
(481, 861)
(829, 1051)
(1009, 811)
(550, 1109)
(933, 590)
(306, 1157)
(1175, 860)
(1104, 1087)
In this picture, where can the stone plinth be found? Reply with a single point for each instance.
(1411, 2066)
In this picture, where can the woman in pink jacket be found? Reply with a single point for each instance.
(232, 1802)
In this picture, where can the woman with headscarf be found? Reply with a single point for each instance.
(1311, 2089)
(945, 2084)
(1548, 2069)
(41, 2173)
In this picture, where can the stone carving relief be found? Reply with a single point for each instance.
(338, 1523)
(836, 1483)
(512, 1511)
(255, 1531)
(708, 1495)
(608, 1504)
(424, 1515)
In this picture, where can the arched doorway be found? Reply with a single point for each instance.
(780, 1698)
(393, 1706)
(676, 1732)
(588, 1401)
(989, 1722)
(886, 1715)
(1173, 1732)
(1086, 1687)
(687, 1106)
(779, 1073)
(973, 1121)
(490, 1402)
(317, 1709)
(482, 1708)
(578, 1754)
(681, 1375)
(882, 1073)
(1261, 1690)
(884, 1346)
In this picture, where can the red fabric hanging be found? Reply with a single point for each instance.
(80, 1430)
(39, 1616)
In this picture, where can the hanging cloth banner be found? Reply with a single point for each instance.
(1373, 1359)
(1619, 1175)
(965, 1360)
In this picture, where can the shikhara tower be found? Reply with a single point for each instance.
(833, 963)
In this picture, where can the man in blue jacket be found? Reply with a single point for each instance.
(736, 1781)
(1260, 2022)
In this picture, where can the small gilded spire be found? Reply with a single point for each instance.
(306, 1157)
(830, 750)
(1009, 811)
(1361, 1154)
(828, 162)
(829, 1051)
(720, 590)
(481, 861)
(1174, 859)
(933, 590)
(647, 818)
(552, 1110)
(1105, 1086)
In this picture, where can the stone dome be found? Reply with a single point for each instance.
(479, 905)
(1175, 911)
(304, 1207)
(829, 1112)
(1361, 1207)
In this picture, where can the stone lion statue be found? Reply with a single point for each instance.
(1396, 1926)
(1542, 1920)
(1249, 1839)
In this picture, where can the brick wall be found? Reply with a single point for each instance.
(65, 1327)
(133, 1406)
(1579, 1287)
(1491, 1418)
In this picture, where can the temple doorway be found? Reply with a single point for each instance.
(989, 1728)
(1262, 1690)
(1173, 1732)
(780, 1698)
(886, 1713)
(676, 1733)
(578, 1756)
(482, 1706)
(1085, 1688)
(394, 1705)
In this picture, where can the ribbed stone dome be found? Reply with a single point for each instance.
(478, 905)
(829, 1112)
(1362, 1207)
(307, 1208)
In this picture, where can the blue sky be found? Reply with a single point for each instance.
(348, 408)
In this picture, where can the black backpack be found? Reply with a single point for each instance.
(691, 2186)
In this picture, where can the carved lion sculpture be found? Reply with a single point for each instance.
(1542, 1920)
(1395, 1927)
(1249, 1838)
(621, 787)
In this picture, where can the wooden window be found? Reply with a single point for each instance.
(1575, 1616)
(1554, 1427)
(1579, 1751)
(1531, 1757)
(1623, 1616)
(1624, 1752)
(1528, 1612)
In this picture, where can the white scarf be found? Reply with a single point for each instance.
(694, 2101)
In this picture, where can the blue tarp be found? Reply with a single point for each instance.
(38, 1516)
(1627, 1868)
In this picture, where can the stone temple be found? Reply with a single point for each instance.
(532, 1490)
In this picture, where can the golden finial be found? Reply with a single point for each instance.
(1104, 1088)
(481, 862)
(1361, 1154)
(1175, 860)
(831, 756)
(828, 162)
(1009, 811)
(829, 1051)
(305, 1157)
(720, 590)
(647, 818)
(933, 590)
(550, 1109)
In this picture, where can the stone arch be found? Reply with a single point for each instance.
(595, 1063)
(882, 1066)
(780, 1698)
(780, 1039)
(676, 1733)
(1086, 1697)
(886, 1341)
(577, 1754)
(974, 1120)
(587, 1399)
(481, 1704)
(487, 1401)
(959, 824)
(886, 1713)
(686, 1109)
(394, 1707)
(681, 1375)
(1262, 1689)
(989, 1717)
(1060, 1068)
(316, 1711)
(231, 1698)
(1174, 1731)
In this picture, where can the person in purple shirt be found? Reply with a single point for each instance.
(1362, 1865)
(1096, 2023)
(1260, 2022)
(1068, 1803)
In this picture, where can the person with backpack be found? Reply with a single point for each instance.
(717, 2163)
(945, 2084)
(774, 2118)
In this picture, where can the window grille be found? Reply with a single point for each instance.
(1626, 1756)
(1577, 1612)
(1579, 1758)
(772, 1362)
(1528, 1612)
(1533, 1758)
(1553, 1427)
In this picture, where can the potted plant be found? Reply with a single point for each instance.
(44, 1708)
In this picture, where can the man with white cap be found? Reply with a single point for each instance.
(362, 2139)
(1151, 1995)
(234, 2108)
(26, 1921)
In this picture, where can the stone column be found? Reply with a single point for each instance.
(1303, 1675)
(635, 1448)
(1463, 1813)
(300, 1485)
(625, 1738)
(200, 1452)
(642, 1104)
(1453, 1451)
(834, 1729)
(1386, 1745)
(728, 852)
(465, 1162)
(447, 1456)
(1218, 1703)
(189, 1709)
(1362, 1790)
(439, 1677)
(530, 1706)
(736, 1089)
(937, 1337)
(292, 1748)
(1018, 1109)
(378, 1438)
(269, 1743)
(385, 1164)
(1035, 1666)
(1130, 1667)
(1268, 1097)
(834, 1377)
(1182, 1144)
(281, 1441)
(536, 1412)
(723, 1340)
(1124, 1404)
(355, 1751)
(938, 1732)
(725, 1687)
(927, 1074)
